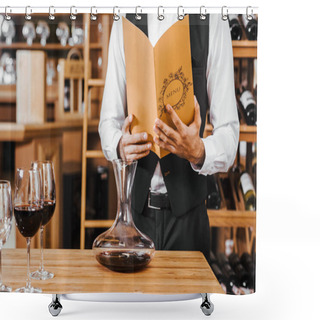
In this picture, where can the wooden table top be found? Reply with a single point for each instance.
(77, 271)
(12, 131)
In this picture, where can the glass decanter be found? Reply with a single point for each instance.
(123, 247)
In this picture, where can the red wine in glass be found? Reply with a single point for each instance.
(28, 208)
(49, 195)
(48, 210)
(28, 219)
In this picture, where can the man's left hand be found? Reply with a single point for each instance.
(184, 141)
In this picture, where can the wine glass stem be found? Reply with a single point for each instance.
(41, 248)
(28, 284)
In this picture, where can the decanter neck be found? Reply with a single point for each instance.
(124, 174)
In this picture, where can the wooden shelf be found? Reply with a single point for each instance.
(217, 218)
(12, 131)
(247, 133)
(231, 218)
(8, 93)
(96, 45)
(96, 82)
(95, 154)
(244, 49)
(48, 46)
(38, 46)
(98, 223)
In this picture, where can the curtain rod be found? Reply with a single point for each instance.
(122, 10)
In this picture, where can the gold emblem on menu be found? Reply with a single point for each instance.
(174, 91)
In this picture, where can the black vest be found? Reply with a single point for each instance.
(186, 188)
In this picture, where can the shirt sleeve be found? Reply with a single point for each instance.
(114, 101)
(221, 146)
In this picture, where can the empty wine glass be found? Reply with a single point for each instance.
(43, 31)
(29, 32)
(49, 203)
(5, 222)
(28, 207)
(62, 32)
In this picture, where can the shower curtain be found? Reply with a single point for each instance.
(173, 93)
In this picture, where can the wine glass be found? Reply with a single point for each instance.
(49, 203)
(5, 222)
(28, 207)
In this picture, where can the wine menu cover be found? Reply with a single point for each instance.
(92, 201)
(157, 76)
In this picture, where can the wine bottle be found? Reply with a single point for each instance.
(234, 259)
(248, 191)
(251, 27)
(235, 27)
(249, 107)
(254, 169)
(219, 275)
(230, 279)
(248, 264)
(100, 196)
(217, 272)
(242, 275)
(222, 259)
(213, 258)
(213, 197)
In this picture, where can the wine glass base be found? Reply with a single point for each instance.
(41, 275)
(4, 288)
(29, 290)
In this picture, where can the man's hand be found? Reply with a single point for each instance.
(132, 146)
(185, 141)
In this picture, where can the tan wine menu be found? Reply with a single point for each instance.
(157, 76)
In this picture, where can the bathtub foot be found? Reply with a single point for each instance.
(55, 306)
(206, 305)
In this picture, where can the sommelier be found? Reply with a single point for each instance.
(168, 197)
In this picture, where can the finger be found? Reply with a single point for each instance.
(163, 136)
(135, 138)
(197, 115)
(164, 145)
(137, 148)
(138, 156)
(127, 124)
(172, 134)
(175, 119)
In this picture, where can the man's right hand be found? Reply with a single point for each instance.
(132, 146)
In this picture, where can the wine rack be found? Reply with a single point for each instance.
(222, 218)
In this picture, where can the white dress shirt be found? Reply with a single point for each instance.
(221, 146)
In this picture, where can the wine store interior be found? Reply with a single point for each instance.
(52, 77)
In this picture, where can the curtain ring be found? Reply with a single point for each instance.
(116, 17)
(52, 11)
(73, 13)
(224, 13)
(137, 16)
(203, 13)
(93, 15)
(160, 16)
(6, 10)
(180, 14)
(28, 12)
(249, 15)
